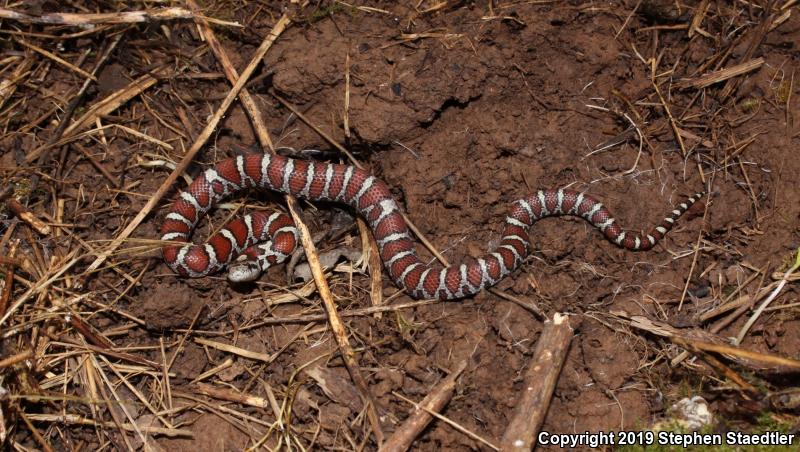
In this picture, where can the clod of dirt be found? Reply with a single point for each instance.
(610, 361)
(513, 324)
(111, 78)
(661, 11)
(598, 411)
(332, 417)
(388, 380)
(167, 307)
(190, 362)
(336, 384)
(736, 211)
(209, 435)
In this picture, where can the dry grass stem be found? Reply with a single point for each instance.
(773, 294)
(125, 17)
(370, 247)
(695, 254)
(19, 357)
(231, 396)
(43, 283)
(703, 340)
(319, 131)
(249, 104)
(101, 108)
(346, 109)
(312, 318)
(58, 60)
(235, 350)
(339, 332)
(76, 419)
(722, 75)
(366, 9)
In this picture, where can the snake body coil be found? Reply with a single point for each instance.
(259, 240)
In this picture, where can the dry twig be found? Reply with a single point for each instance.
(124, 17)
(419, 418)
(540, 381)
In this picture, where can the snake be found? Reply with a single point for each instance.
(249, 245)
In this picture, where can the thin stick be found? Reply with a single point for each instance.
(320, 317)
(8, 283)
(324, 135)
(87, 331)
(721, 368)
(672, 122)
(229, 395)
(696, 253)
(339, 332)
(235, 350)
(97, 165)
(627, 19)
(540, 381)
(58, 60)
(249, 104)
(707, 80)
(697, 19)
(279, 27)
(532, 307)
(35, 432)
(11, 360)
(769, 299)
(448, 422)
(150, 15)
(78, 420)
(24, 214)
(370, 248)
(346, 112)
(770, 361)
(419, 418)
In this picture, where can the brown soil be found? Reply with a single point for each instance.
(461, 110)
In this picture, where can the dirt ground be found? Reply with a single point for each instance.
(461, 108)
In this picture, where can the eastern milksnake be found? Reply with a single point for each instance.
(247, 240)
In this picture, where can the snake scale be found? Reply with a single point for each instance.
(254, 242)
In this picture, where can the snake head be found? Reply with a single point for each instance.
(244, 269)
